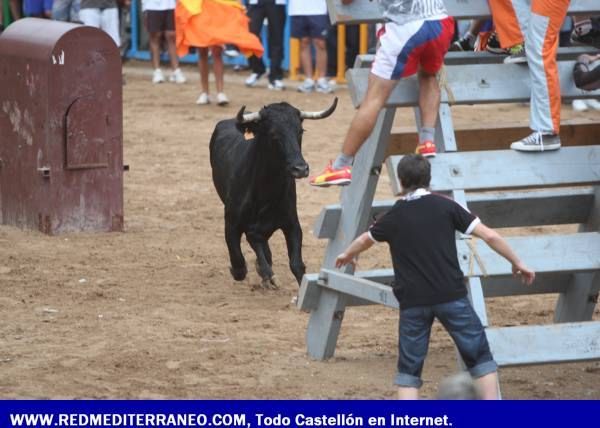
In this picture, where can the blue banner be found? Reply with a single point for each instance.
(268, 414)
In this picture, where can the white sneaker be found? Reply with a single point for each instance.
(158, 76)
(323, 86)
(253, 79)
(595, 104)
(177, 76)
(307, 86)
(537, 142)
(276, 85)
(579, 105)
(222, 99)
(203, 99)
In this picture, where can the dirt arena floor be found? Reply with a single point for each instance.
(153, 312)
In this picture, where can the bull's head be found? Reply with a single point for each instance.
(279, 126)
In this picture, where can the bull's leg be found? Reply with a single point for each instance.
(263, 258)
(233, 236)
(293, 239)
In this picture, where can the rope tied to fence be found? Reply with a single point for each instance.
(443, 83)
(474, 257)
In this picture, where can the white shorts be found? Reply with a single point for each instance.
(105, 19)
(406, 48)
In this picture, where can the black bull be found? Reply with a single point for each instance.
(255, 179)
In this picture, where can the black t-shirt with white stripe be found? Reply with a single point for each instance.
(420, 230)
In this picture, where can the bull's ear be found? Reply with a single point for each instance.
(247, 122)
(247, 127)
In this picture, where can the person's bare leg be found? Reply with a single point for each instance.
(488, 386)
(321, 57)
(15, 9)
(364, 120)
(155, 49)
(429, 99)
(203, 67)
(306, 58)
(406, 393)
(218, 68)
(172, 48)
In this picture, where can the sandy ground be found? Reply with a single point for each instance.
(153, 312)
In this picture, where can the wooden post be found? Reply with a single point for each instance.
(363, 45)
(294, 58)
(341, 54)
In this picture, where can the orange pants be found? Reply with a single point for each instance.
(537, 23)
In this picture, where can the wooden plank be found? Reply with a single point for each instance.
(512, 346)
(359, 287)
(570, 253)
(577, 252)
(496, 209)
(367, 11)
(508, 169)
(481, 57)
(493, 286)
(473, 84)
(496, 136)
(308, 302)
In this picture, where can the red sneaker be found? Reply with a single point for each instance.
(426, 149)
(330, 176)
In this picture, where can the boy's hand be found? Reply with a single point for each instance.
(344, 259)
(527, 275)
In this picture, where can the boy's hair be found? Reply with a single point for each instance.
(414, 172)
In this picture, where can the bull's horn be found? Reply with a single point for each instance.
(319, 114)
(247, 117)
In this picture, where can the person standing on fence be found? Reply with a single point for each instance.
(210, 24)
(103, 14)
(414, 40)
(310, 24)
(159, 18)
(537, 23)
(274, 12)
(420, 230)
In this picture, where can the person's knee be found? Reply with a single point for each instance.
(305, 42)
(203, 53)
(170, 37)
(319, 44)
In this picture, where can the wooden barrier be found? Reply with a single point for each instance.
(505, 188)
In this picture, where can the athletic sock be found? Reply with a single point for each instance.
(426, 134)
(342, 161)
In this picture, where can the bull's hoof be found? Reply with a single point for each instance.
(239, 274)
(270, 283)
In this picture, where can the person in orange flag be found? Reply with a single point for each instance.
(209, 24)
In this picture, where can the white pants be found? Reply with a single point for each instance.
(106, 19)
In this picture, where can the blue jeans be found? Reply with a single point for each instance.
(460, 321)
(66, 10)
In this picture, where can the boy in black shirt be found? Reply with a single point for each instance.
(420, 230)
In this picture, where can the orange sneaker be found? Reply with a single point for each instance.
(330, 176)
(427, 149)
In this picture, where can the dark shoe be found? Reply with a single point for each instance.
(587, 32)
(461, 45)
(493, 45)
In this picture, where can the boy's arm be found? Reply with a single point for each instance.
(499, 245)
(360, 244)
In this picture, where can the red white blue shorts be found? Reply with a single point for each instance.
(406, 48)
